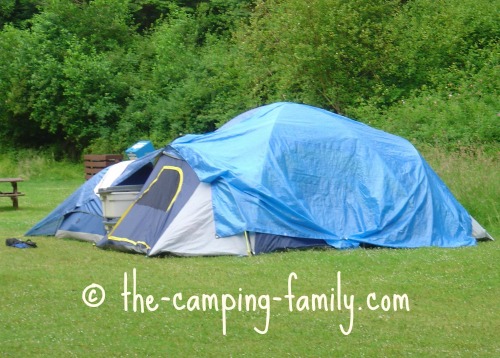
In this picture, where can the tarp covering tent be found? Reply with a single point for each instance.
(80, 216)
(290, 175)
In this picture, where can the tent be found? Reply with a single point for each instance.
(288, 175)
(66, 220)
(172, 214)
(80, 216)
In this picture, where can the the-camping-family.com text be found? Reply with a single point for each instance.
(334, 300)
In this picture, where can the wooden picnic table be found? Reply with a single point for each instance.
(14, 194)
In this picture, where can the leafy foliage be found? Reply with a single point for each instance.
(99, 75)
(17, 12)
(321, 52)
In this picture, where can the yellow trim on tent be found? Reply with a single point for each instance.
(181, 181)
(135, 243)
(247, 241)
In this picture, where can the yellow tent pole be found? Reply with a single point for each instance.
(247, 240)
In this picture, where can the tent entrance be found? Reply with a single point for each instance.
(171, 179)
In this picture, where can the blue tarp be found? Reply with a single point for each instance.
(299, 171)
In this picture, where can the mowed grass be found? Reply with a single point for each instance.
(450, 296)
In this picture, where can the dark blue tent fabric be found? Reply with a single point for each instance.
(83, 206)
(298, 171)
(82, 210)
(269, 243)
(84, 219)
(155, 207)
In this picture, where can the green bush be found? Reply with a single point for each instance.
(461, 111)
(99, 75)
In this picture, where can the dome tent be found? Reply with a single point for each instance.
(82, 206)
(80, 215)
(288, 175)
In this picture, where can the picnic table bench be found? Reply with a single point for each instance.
(14, 194)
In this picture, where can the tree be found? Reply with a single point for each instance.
(192, 80)
(17, 12)
(332, 53)
(16, 128)
(74, 63)
(433, 37)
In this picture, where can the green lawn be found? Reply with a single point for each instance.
(453, 296)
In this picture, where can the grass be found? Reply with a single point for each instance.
(453, 294)
(472, 176)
